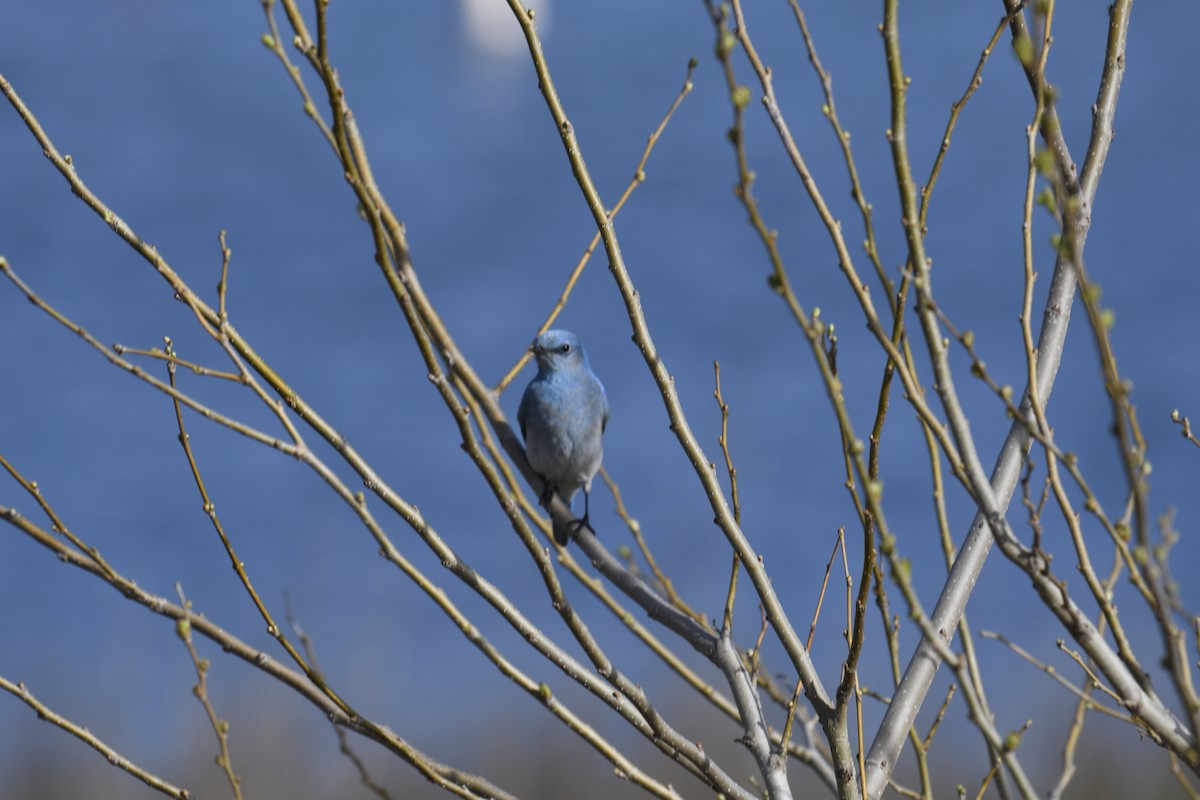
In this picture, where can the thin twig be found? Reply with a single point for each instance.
(462, 784)
(183, 629)
(723, 441)
(937, 720)
(1185, 427)
(1082, 695)
(639, 177)
(20, 691)
(364, 775)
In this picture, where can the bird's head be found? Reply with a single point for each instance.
(558, 350)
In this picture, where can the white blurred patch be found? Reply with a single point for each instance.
(492, 30)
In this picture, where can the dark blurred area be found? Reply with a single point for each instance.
(531, 760)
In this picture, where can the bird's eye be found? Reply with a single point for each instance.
(566, 348)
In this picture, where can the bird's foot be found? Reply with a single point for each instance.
(564, 535)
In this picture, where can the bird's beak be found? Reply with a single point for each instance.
(537, 351)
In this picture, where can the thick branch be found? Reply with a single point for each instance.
(918, 677)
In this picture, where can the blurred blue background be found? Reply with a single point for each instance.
(185, 124)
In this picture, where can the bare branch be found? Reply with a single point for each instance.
(20, 691)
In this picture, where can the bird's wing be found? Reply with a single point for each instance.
(605, 414)
(523, 412)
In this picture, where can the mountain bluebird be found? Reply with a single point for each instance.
(562, 415)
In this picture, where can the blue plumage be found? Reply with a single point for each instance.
(562, 415)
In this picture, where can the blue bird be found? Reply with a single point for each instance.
(562, 415)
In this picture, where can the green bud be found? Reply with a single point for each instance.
(1043, 160)
(726, 44)
(1046, 199)
(1023, 47)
